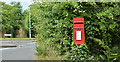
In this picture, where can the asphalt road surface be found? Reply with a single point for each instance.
(25, 50)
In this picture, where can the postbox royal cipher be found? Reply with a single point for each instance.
(78, 31)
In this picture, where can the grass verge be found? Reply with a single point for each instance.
(45, 52)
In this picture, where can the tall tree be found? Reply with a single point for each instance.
(11, 17)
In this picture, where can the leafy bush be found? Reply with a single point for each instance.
(12, 18)
(78, 52)
(53, 23)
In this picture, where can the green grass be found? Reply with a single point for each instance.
(46, 52)
(17, 38)
(51, 55)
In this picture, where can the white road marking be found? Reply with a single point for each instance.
(6, 48)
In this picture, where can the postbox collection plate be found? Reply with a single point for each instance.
(78, 31)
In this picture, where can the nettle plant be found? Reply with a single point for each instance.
(54, 26)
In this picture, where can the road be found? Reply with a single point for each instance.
(25, 50)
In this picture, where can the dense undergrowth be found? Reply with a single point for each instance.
(53, 23)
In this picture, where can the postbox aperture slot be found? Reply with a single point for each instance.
(78, 22)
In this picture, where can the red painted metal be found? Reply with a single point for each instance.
(78, 25)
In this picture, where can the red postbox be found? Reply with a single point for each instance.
(78, 31)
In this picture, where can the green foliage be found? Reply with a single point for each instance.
(41, 51)
(78, 52)
(25, 21)
(11, 17)
(53, 23)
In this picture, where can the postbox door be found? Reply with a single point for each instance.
(78, 35)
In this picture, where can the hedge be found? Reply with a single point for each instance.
(53, 23)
